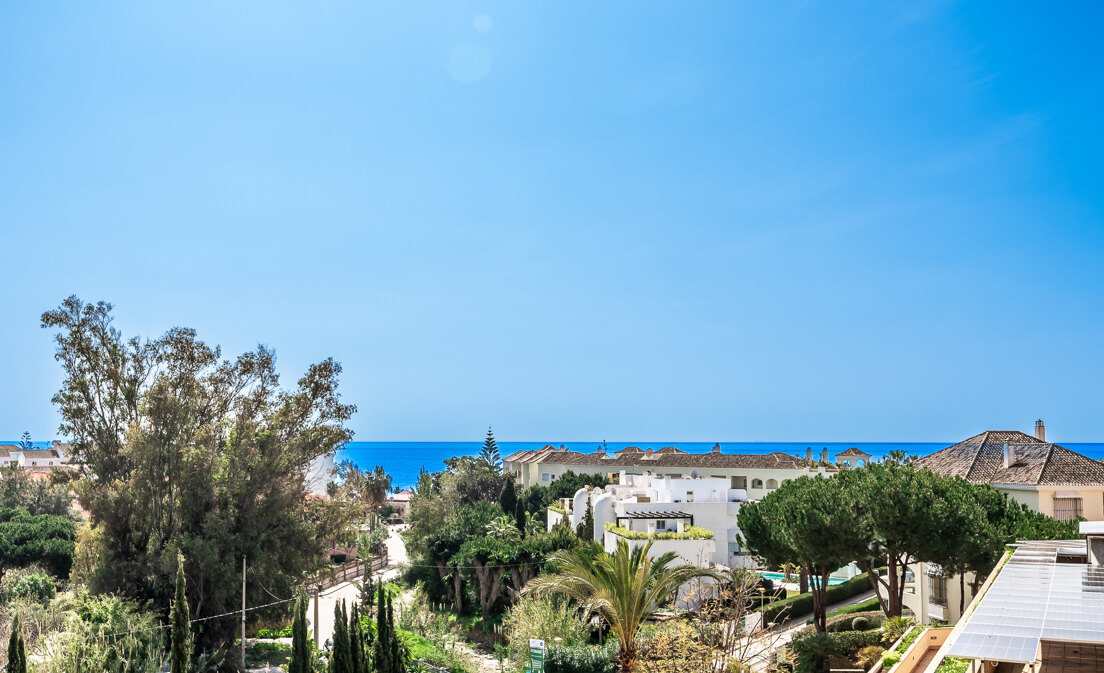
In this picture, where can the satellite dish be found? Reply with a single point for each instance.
(694, 473)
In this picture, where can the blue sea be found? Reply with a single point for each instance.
(403, 460)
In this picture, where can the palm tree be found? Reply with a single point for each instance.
(624, 588)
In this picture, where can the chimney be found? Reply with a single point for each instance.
(1009, 455)
(1040, 430)
(717, 447)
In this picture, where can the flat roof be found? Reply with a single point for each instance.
(1035, 598)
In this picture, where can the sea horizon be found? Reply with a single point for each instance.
(404, 460)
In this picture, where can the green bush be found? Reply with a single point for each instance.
(846, 622)
(40, 588)
(275, 633)
(853, 641)
(953, 665)
(890, 660)
(545, 618)
(868, 656)
(860, 624)
(581, 658)
(894, 628)
(689, 533)
(108, 634)
(802, 604)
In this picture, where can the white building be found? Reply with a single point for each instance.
(758, 474)
(693, 517)
(55, 456)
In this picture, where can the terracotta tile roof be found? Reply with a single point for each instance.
(980, 459)
(41, 453)
(670, 449)
(6, 450)
(661, 458)
(853, 452)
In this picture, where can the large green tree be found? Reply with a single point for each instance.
(190, 452)
(45, 539)
(905, 516)
(19, 491)
(809, 521)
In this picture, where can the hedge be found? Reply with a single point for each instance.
(690, 533)
(843, 642)
(581, 658)
(802, 604)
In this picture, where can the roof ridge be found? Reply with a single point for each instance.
(977, 455)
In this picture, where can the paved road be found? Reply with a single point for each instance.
(347, 591)
(784, 634)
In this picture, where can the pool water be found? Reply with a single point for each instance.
(832, 581)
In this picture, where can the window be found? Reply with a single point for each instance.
(938, 590)
(1067, 509)
(771, 483)
(661, 524)
(757, 483)
(689, 496)
(544, 476)
(734, 549)
(739, 482)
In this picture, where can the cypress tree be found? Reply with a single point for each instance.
(300, 654)
(356, 640)
(508, 499)
(585, 529)
(17, 654)
(181, 630)
(397, 663)
(519, 519)
(382, 654)
(341, 657)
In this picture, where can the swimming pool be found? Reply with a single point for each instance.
(832, 581)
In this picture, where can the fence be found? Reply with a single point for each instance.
(349, 571)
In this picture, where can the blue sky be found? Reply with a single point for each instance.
(665, 221)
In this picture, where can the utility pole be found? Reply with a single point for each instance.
(243, 615)
(317, 593)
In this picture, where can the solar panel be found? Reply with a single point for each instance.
(1034, 598)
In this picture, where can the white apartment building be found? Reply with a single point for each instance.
(643, 507)
(758, 474)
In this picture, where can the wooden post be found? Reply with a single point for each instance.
(243, 616)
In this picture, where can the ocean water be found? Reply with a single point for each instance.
(403, 460)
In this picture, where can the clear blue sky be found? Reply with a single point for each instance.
(623, 220)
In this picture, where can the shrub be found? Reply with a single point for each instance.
(890, 660)
(275, 633)
(869, 655)
(581, 658)
(860, 624)
(802, 604)
(853, 641)
(845, 622)
(895, 627)
(108, 634)
(36, 587)
(546, 618)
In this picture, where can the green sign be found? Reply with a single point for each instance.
(536, 655)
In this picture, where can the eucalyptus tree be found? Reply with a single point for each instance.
(624, 588)
(190, 452)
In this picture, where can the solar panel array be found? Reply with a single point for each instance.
(1032, 599)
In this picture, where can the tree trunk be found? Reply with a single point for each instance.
(895, 590)
(961, 593)
(626, 657)
(803, 581)
(457, 585)
(490, 585)
(820, 599)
